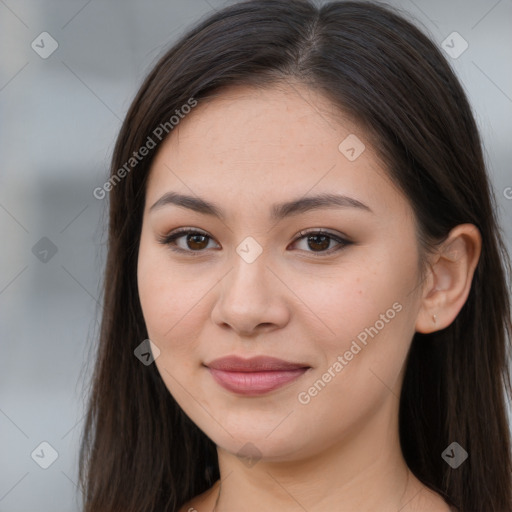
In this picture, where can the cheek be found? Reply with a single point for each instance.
(354, 297)
(176, 306)
(173, 314)
(370, 314)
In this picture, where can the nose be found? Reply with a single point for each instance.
(251, 299)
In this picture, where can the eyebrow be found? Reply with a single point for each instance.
(279, 211)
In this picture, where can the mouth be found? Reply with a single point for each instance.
(254, 376)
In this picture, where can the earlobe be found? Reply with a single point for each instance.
(450, 276)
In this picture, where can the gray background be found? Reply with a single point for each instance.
(59, 117)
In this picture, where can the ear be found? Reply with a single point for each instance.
(446, 287)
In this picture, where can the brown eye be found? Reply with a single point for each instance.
(320, 242)
(196, 241)
(192, 241)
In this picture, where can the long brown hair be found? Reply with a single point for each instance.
(140, 452)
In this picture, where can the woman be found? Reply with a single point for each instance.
(302, 225)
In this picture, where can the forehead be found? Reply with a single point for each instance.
(283, 118)
(252, 143)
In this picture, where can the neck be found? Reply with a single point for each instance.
(365, 471)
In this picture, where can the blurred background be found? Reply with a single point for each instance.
(68, 72)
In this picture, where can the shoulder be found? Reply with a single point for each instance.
(204, 501)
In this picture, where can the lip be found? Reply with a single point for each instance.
(256, 375)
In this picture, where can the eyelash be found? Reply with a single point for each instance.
(179, 233)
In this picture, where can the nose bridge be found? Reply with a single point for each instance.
(249, 261)
(247, 297)
(248, 279)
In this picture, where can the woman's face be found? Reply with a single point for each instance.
(259, 280)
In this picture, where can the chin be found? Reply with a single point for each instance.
(253, 444)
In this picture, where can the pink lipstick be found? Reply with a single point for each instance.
(254, 376)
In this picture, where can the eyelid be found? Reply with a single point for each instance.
(178, 233)
(322, 231)
(338, 237)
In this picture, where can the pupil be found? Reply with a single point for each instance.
(322, 244)
(193, 240)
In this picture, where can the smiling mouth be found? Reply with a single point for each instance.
(255, 376)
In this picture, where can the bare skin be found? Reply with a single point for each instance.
(336, 448)
(422, 496)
